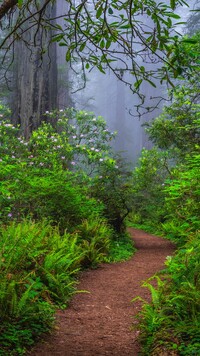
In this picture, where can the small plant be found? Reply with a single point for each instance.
(121, 248)
(94, 236)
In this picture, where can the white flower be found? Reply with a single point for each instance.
(61, 110)
(116, 166)
(92, 148)
(41, 164)
(74, 136)
(73, 163)
(62, 157)
(101, 159)
(96, 150)
(94, 119)
(47, 112)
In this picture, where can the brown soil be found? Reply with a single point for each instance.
(99, 323)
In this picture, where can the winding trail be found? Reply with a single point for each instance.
(99, 323)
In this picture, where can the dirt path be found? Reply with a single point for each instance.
(98, 323)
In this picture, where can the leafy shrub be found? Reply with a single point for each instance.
(167, 192)
(59, 193)
(182, 200)
(60, 170)
(113, 187)
(38, 270)
(121, 248)
(148, 187)
(177, 128)
(172, 320)
(94, 237)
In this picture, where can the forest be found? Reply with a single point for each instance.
(68, 193)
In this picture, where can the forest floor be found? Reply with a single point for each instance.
(100, 322)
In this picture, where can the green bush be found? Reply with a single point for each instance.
(175, 134)
(172, 320)
(94, 237)
(170, 323)
(60, 172)
(148, 183)
(38, 271)
(182, 200)
(113, 187)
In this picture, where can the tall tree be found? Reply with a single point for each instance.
(34, 76)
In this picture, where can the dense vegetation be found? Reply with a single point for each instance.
(167, 202)
(66, 198)
(76, 219)
(63, 203)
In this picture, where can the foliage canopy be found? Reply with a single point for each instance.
(133, 39)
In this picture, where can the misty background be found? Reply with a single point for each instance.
(36, 85)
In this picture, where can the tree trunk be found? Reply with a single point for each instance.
(35, 77)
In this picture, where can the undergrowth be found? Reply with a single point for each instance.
(171, 322)
(39, 269)
(121, 248)
(38, 272)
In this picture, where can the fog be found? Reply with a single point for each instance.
(106, 96)
(50, 83)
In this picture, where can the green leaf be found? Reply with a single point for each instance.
(57, 38)
(99, 12)
(62, 44)
(82, 46)
(108, 43)
(172, 4)
(102, 43)
(190, 40)
(100, 68)
(138, 83)
(68, 55)
(150, 82)
(171, 14)
(110, 11)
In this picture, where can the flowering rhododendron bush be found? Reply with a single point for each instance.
(60, 192)
(64, 172)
